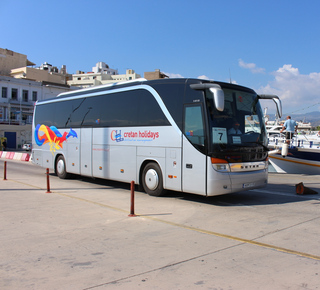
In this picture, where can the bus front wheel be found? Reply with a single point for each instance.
(61, 167)
(152, 181)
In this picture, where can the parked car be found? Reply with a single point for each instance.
(26, 147)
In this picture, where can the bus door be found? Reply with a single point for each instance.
(86, 151)
(194, 162)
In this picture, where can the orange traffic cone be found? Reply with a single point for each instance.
(301, 189)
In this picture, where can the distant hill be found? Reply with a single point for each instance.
(312, 117)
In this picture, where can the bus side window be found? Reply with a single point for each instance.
(193, 126)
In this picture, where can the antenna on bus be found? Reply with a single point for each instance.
(230, 76)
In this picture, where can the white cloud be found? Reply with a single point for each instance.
(203, 77)
(299, 93)
(179, 76)
(173, 75)
(251, 66)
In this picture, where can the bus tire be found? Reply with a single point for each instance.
(61, 168)
(152, 180)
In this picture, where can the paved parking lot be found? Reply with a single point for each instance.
(80, 236)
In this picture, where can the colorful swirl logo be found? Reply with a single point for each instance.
(44, 134)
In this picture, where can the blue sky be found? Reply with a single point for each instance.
(271, 46)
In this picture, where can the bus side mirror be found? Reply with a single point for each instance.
(279, 106)
(276, 100)
(218, 97)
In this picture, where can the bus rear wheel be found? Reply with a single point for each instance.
(61, 167)
(152, 180)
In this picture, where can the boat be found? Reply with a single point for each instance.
(304, 129)
(301, 156)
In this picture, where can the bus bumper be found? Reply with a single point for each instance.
(223, 183)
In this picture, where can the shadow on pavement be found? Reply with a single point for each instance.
(272, 194)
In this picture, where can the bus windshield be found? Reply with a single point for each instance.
(239, 128)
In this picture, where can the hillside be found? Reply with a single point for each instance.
(312, 117)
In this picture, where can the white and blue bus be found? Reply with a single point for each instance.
(188, 135)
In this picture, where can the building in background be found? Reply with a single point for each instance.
(10, 60)
(101, 74)
(20, 87)
(157, 74)
(102, 67)
(45, 73)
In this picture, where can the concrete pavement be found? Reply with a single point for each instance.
(80, 236)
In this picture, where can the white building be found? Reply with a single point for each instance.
(102, 67)
(46, 72)
(101, 74)
(17, 98)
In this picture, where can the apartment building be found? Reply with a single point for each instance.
(10, 60)
(154, 75)
(16, 106)
(101, 74)
(20, 87)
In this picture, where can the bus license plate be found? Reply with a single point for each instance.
(246, 185)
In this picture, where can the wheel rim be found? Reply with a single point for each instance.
(60, 166)
(152, 179)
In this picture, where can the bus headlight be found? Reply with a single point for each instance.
(220, 165)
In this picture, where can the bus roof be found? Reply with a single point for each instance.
(140, 81)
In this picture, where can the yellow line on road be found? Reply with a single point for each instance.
(241, 240)
(246, 241)
(280, 249)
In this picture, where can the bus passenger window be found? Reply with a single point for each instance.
(193, 125)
